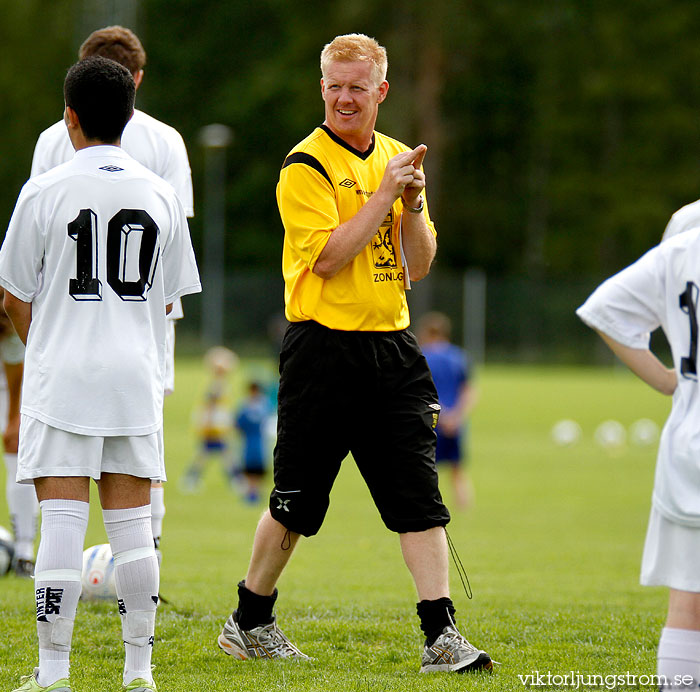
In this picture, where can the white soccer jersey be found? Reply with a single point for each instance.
(661, 290)
(99, 246)
(157, 146)
(151, 142)
(684, 219)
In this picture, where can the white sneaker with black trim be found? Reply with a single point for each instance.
(266, 641)
(452, 653)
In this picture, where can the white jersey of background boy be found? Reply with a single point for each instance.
(102, 244)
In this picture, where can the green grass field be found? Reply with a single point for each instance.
(552, 548)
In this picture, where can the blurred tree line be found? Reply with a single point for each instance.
(562, 134)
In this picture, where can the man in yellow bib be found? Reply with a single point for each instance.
(353, 379)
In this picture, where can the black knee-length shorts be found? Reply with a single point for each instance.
(365, 393)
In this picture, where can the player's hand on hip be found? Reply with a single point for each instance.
(402, 172)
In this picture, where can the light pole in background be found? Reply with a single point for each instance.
(215, 139)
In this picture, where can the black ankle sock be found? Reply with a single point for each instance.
(253, 610)
(434, 617)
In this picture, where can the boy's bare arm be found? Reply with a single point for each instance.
(644, 364)
(20, 314)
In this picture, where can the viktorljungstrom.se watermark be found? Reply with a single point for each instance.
(576, 680)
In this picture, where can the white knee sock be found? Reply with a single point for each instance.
(679, 655)
(59, 565)
(137, 580)
(24, 510)
(157, 512)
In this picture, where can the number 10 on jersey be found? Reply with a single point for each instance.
(132, 255)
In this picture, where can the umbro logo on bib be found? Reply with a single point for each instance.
(347, 183)
(111, 169)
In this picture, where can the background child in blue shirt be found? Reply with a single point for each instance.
(250, 421)
(451, 371)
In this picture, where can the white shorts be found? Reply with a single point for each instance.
(671, 554)
(46, 451)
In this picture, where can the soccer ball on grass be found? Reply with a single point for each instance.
(98, 574)
(7, 550)
(566, 433)
(611, 435)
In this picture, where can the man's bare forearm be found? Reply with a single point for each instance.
(351, 237)
(419, 245)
